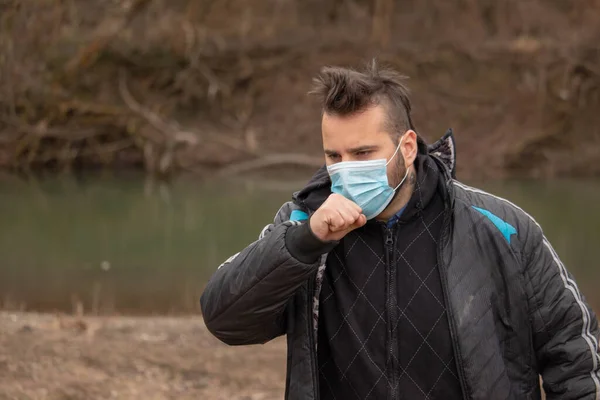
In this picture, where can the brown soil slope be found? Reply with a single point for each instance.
(204, 84)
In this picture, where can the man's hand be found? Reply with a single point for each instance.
(336, 217)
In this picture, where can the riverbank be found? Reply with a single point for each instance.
(203, 85)
(47, 357)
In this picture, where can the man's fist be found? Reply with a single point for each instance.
(335, 218)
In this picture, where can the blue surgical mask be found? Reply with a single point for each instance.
(365, 183)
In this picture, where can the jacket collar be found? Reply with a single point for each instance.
(425, 187)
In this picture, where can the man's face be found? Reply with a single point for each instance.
(362, 137)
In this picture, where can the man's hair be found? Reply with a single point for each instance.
(344, 92)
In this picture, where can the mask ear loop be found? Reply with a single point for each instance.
(396, 152)
(394, 155)
(402, 181)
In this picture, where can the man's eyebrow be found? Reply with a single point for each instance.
(358, 149)
(363, 148)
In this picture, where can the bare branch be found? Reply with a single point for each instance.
(154, 120)
(171, 130)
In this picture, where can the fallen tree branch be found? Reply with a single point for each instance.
(165, 129)
(171, 130)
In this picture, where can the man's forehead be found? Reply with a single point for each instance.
(366, 125)
(353, 140)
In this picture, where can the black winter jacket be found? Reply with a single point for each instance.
(514, 310)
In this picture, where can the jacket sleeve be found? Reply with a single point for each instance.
(565, 329)
(245, 300)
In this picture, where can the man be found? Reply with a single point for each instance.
(392, 280)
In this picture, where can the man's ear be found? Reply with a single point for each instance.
(409, 147)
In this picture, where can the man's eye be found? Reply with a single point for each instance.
(333, 156)
(363, 153)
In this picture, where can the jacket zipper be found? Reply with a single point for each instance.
(311, 338)
(391, 310)
(451, 322)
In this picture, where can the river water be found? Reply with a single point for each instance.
(128, 245)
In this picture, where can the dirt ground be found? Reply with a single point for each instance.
(44, 356)
(50, 357)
